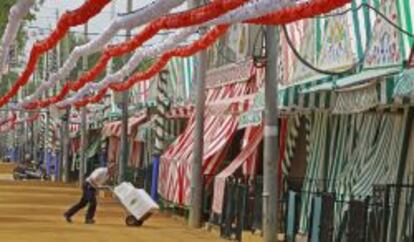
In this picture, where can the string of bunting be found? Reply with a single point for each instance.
(179, 20)
(249, 10)
(196, 16)
(208, 39)
(304, 10)
(317, 7)
(169, 43)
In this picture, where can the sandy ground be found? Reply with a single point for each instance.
(32, 211)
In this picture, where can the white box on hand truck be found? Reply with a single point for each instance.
(136, 202)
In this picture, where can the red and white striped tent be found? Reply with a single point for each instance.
(74, 129)
(175, 165)
(234, 106)
(232, 73)
(113, 131)
(115, 128)
(75, 139)
(181, 111)
(247, 160)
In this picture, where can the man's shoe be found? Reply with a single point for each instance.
(89, 221)
(67, 218)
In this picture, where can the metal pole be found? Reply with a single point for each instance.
(82, 165)
(198, 149)
(32, 141)
(123, 161)
(26, 134)
(58, 143)
(15, 145)
(45, 143)
(46, 133)
(65, 144)
(58, 52)
(66, 119)
(35, 141)
(271, 144)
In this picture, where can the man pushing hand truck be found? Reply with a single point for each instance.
(96, 180)
(138, 204)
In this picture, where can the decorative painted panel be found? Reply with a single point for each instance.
(308, 52)
(385, 41)
(336, 52)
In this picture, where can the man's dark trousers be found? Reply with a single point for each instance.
(88, 197)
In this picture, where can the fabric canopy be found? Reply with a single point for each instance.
(290, 99)
(181, 111)
(356, 99)
(356, 79)
(233, 106)
(175, 165)
(74, 130)
(93, 147)
(115, 128)
(405, 86)
(143, 131)
(112, 129)
(361, 150)
(251, 141)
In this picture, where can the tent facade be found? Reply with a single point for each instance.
(175, 165)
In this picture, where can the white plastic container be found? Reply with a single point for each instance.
(136, 202)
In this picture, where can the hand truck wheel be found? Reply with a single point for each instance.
(130, 220)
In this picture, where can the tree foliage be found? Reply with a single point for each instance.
(5, 6)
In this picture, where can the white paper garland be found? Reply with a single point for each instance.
(170, 43)
(252, 9)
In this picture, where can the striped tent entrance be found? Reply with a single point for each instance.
(112, 132)
(404, 89)
(175, 164)
(246, 159)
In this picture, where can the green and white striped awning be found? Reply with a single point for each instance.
(405, 85)
(144, 131)
(290, 100)
(360, 92)
(151, 103)
(93, 148)
(356, 79)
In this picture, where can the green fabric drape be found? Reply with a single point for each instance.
(364, 150)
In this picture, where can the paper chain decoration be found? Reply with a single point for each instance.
(230, 11)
